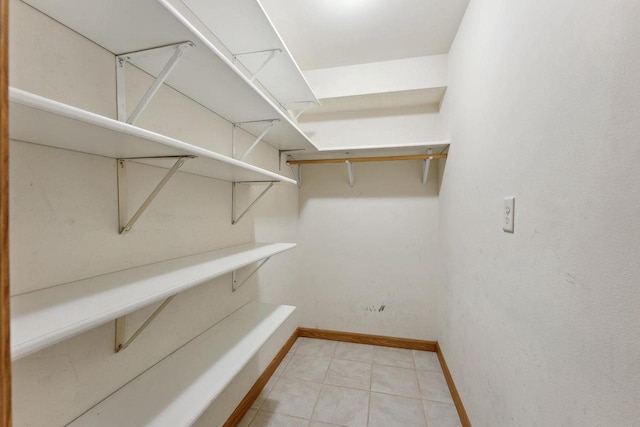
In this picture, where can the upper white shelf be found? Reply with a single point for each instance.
(179, 388)
(244, 28)
(42, 318)
(44, 121)
(437, 147)
(204, 73)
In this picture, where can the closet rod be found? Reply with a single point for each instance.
(370, 159)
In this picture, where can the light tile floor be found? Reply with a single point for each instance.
(329, 383)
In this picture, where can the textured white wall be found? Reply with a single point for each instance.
(64, 226)
(369, 246)
(541, 327)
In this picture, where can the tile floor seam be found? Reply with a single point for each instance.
(283, 415)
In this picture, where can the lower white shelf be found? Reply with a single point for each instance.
(42, 318)
(178, 389)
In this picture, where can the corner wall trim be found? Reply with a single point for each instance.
(462, 413)
(406, 343)
(380, 340)
(5, 346)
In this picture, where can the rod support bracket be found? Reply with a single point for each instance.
(425, 168)
(350, 172)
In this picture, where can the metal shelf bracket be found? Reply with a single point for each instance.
(121, 343)
(300, 107)
(234, 219)
(234, 275)
(297, 173)
(125, 225)
(425, 168)
(350, 172)
(234, 147)
(273, 53)
(121, 60)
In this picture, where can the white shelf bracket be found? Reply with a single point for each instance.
(300, 107)
(273, 53)
(350, 172)
(234, 275)
(425, 169)
(234, 219)
(286, 151)
(125, 224)
(121, 343)
(297, 173)
(270, 126)
(121, 60)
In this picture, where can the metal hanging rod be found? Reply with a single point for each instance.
(368, 159)
(285, 151)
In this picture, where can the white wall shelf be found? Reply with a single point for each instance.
(246, 31)
(425, 152)
(178, 389)
(373, 150)
(42, 318)
(204, 73)
(46, 122)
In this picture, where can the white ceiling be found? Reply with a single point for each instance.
(332, 33)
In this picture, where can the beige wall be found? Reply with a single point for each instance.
(540, 327)
(372, 245)
(64, 226)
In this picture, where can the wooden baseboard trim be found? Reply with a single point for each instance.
(380, 340)
(410, 344)
(240, 411)
(462, 413)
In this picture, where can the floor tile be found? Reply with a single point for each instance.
(308, 368)
(433, 386)
(398, 381)
(264, 393)
(399, 357)
(268, 419)
(349, 373)
(426, 361)
(292, 397)
(281, 367)
(318, 348)
(440, 414)
(352, 351)
(386, 410)
(248, 417)
(342, 406)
